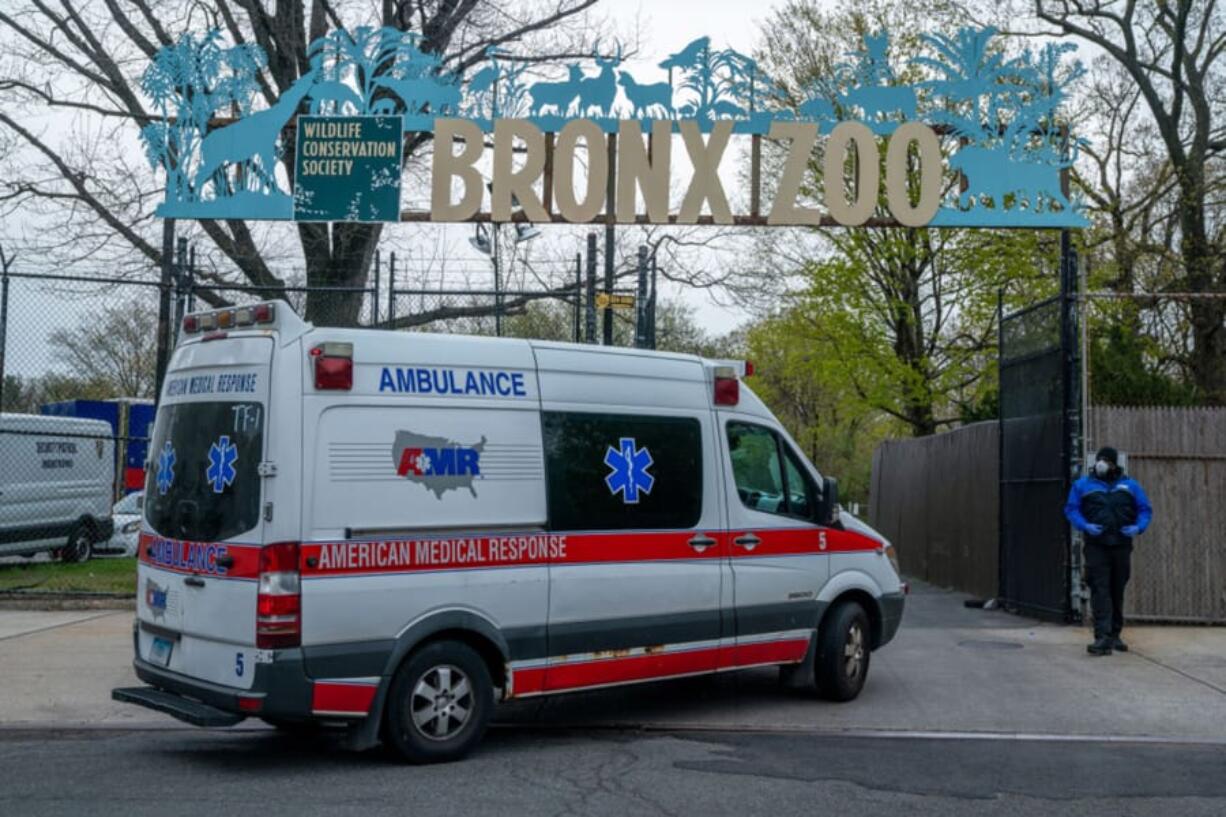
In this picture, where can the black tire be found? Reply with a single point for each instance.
(843, 652)
(432, 715)
(80, 545)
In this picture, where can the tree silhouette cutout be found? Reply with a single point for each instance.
(190, 82)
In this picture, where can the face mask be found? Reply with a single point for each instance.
(1102, 468)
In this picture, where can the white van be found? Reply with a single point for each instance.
(57, 477)
(392, 531)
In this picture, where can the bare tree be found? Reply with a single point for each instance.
(112, 349)
(1172, 54)
(72, 65)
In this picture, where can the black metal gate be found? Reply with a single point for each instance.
(1037, 383)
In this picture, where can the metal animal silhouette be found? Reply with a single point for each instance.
(877, 100)
(559, 95)
(818, 110)
(993, 173)
(417, 94)
(600, 91)
(645, 97)
(722, 107)
(252, 137)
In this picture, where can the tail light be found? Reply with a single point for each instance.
(278, 610)
(333, 366)
(727, 386)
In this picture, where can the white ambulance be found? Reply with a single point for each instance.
(393, 531)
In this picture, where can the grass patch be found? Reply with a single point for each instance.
(96, 576)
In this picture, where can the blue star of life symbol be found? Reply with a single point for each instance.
(222, 456)
(166, 468)
(628, 470)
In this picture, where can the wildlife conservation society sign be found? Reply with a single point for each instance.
(963, 137)
(347, 168)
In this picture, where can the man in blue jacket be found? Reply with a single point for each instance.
(1110, 509)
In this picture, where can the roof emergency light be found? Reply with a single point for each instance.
(333, 366)
(727, 386)
(235, 318)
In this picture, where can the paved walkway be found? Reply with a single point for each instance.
(950, 669)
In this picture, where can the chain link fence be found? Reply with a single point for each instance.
(79, 368)
(81, 358)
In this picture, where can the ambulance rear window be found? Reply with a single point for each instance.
(622, 471)
(203, 481)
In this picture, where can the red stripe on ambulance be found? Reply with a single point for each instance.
(525, 549)
(653, 666)
(342, 697)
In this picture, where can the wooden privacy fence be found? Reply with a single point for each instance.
(1179, 457)
(937, 499)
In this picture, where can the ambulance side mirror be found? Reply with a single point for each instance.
(828, 506)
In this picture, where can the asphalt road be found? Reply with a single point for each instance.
(539, 772)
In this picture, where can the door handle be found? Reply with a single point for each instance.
(747, 541)
(194, 581)
(701, 542)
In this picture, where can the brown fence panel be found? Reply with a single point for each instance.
(1179, 457)
(937, 499)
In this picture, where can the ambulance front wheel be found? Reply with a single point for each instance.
(843, 652)
(439, 703)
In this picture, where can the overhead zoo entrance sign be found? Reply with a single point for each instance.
(978, 142)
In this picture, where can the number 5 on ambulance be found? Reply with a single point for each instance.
(390, 533)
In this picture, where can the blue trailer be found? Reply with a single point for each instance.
(131, 421)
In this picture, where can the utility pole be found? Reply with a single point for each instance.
(641, 305)
(590, 306)
(495, 235)
(578, 333)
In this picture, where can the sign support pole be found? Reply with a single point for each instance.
(607, 338)
(163, 353)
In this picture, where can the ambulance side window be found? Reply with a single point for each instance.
(622, 471)
(769, 476)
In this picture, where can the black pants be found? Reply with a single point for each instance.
(1108, 569)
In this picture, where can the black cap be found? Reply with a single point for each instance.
(1109, 454)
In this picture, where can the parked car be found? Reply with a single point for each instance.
(57, 475)
(391, 531)
(126, 516)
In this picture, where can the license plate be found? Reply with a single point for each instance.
(159, 653)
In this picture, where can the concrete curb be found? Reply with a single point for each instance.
(43, 600)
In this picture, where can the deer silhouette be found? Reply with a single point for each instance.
(561, 95)
(645, 97)
(600, 91)
(252, 137)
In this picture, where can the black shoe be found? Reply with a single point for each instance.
(1118, 644)
(1101, 646)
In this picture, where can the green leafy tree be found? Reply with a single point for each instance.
(905, 318)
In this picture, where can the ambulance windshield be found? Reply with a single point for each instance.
(203, 482)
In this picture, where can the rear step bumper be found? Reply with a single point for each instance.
(185, 709)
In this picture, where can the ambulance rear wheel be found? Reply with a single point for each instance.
(843, 652)
(439, 703)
